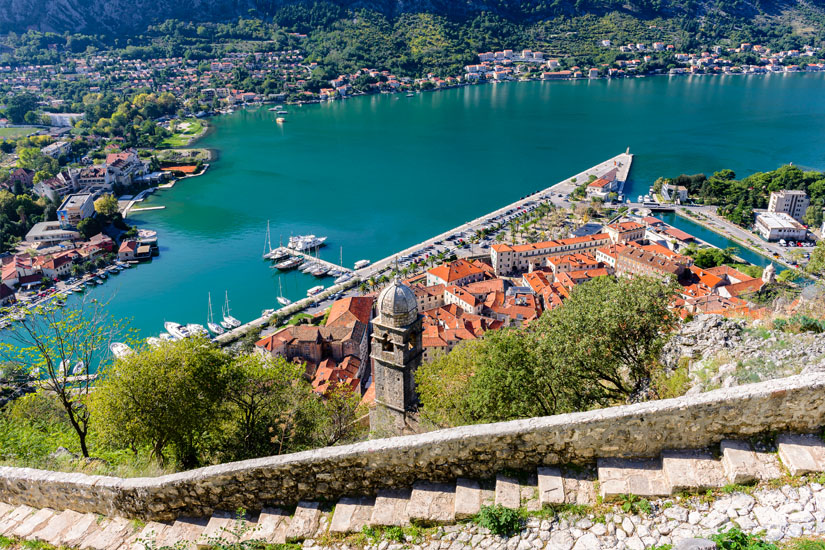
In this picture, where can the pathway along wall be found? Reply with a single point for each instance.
(642, 430)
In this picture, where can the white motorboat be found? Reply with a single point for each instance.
(196, 329)
(361, 263)
(210, 320)
(166, 337)
(320, 271)
(227, 315)
(267, 312)
(343, 278)
(315, 290)
(120, 350)
(303, 243)
(177, 330)
(154, 341)
(310, 266)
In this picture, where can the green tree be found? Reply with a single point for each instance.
(550, 367)
(52, 345)
(18, 105)
(106, 206)
(627, 322)
(162, 397)
(88, 227)
(816, 264)
(813, 216)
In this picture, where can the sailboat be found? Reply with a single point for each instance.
(210, 320)
(227, 316)
(281, 299)
(268, 252)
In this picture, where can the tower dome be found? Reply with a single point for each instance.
(397, 305)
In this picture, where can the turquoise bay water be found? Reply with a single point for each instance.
(377, 174)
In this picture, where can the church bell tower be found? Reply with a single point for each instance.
(396, 353)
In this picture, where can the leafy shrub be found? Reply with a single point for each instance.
(635, 505)
(735, 539)
(498, 519)
(800, 323)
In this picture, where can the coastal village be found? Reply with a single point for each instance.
(207, 85)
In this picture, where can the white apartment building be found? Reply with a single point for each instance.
(789, 201)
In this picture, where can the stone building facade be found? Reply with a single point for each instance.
(396, 353)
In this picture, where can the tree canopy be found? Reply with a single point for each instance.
(550, 368)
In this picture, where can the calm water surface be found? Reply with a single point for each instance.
(377, 174)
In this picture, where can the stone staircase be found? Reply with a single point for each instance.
(429, 503)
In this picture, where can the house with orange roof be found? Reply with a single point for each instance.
(574, 262)
(457, 295)
(736, 290)
(330, 375)
(428, 297)
(509, 259)
(569, 279)
(459, 272)
(635, 261)
(625, 231)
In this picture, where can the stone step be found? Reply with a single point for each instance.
(529, 492)
(15, 517)
(551, 486)
(620, 476)
(57, 526)
(351, 514)
(390, 507)
(224, 528)
(431, 503)
(270, 527)
(85, 526)
(467, 498)
(184, 532)
(508, 492)
(111, 536)
(32, 523)
(744, 465)
(692, 471)
(149, 536)
(579, 488)
(305, 521)
(801, 453)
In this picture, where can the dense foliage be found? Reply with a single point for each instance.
(413, 38)
(18, 213)
(737, 199)
(549, 368)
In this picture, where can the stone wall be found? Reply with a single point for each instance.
(641, 430)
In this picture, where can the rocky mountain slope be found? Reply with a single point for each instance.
(714, 352)
(129, 16)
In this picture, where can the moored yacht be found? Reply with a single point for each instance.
(196, 329)
(177, 330)
(361, 263)
(120, 350)
(227, 315)
(210, 320)
(291, 263)
(343, 278)
(315, 290)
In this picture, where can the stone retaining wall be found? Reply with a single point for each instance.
(642, 430)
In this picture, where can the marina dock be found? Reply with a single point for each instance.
(308, 256)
